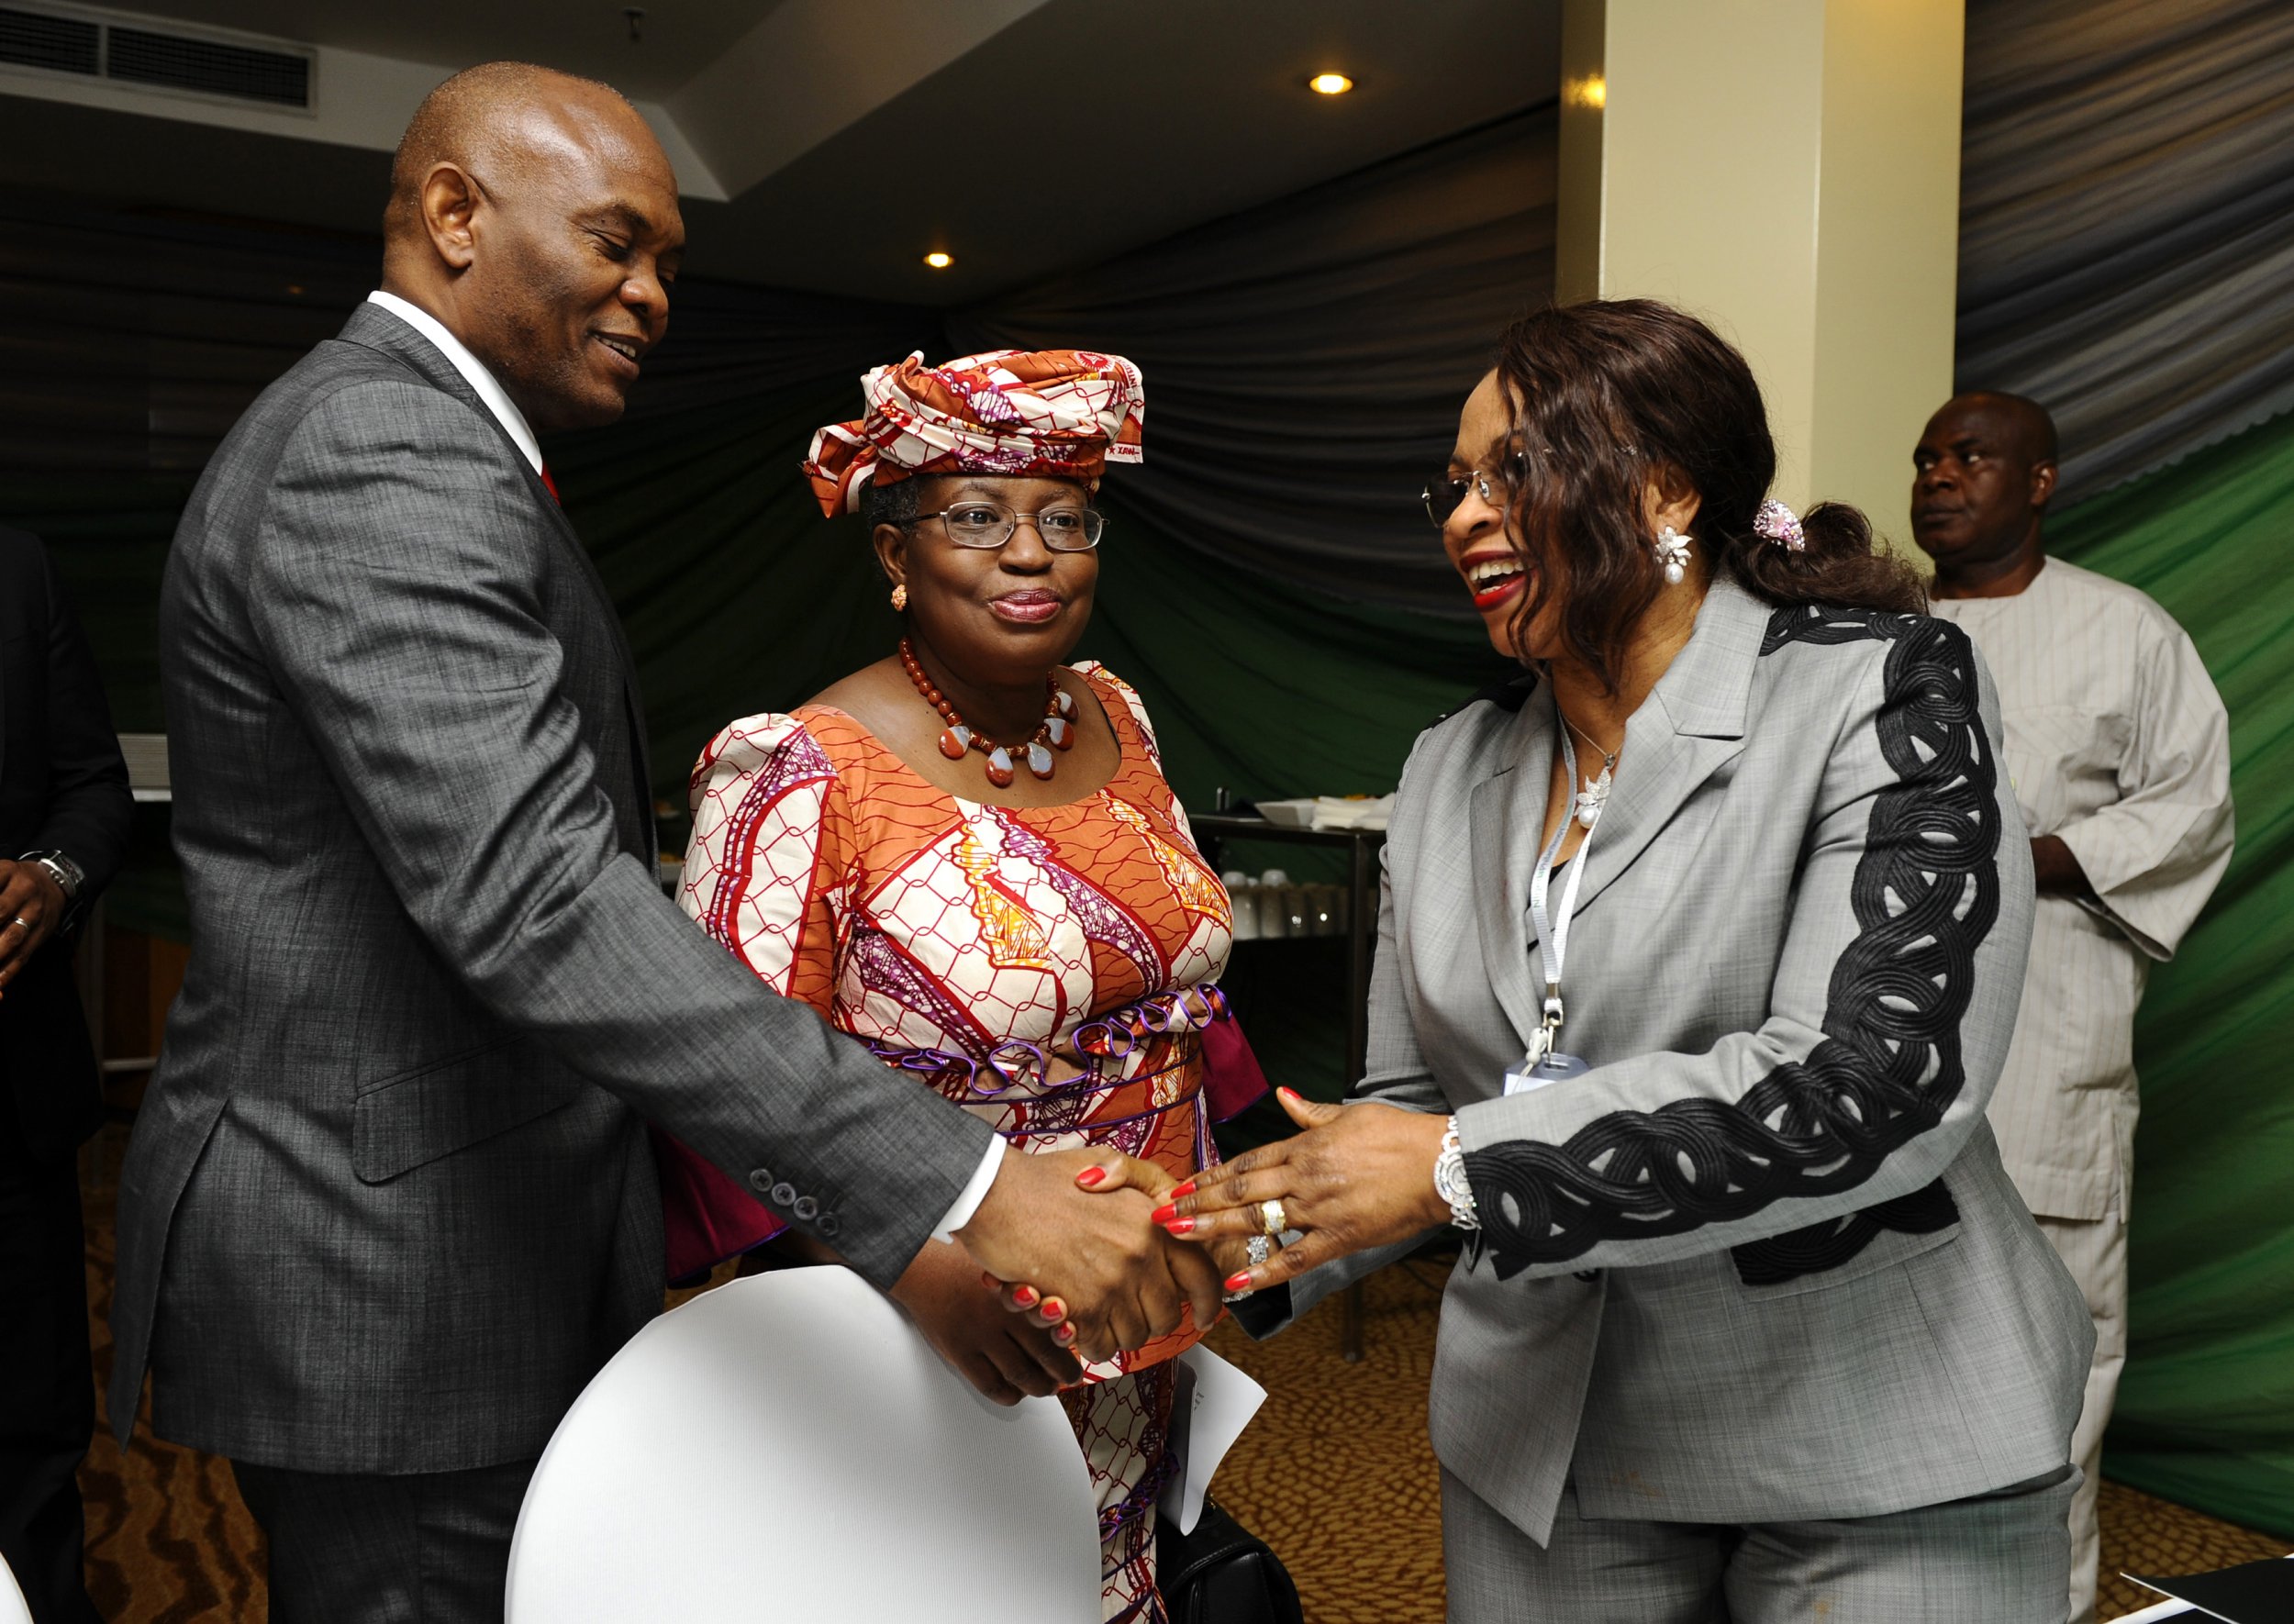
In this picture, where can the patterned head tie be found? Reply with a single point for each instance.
(1062, 414)
(1779, 524)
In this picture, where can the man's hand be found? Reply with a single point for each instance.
(32, 907)
(1007, 1357)
(2055, 870)
(1123, 1282)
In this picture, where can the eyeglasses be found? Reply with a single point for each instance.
(1446, 490)
(991, 523)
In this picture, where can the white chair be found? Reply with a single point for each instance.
(13, 1610)
(787, 1448)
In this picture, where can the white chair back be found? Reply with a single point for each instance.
(13, 1610)
(788, 1447)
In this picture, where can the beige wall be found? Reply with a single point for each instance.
(1789, 170)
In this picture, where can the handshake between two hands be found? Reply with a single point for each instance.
(1092, 1252)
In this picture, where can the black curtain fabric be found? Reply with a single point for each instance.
(1306, 361)
(2127, 221)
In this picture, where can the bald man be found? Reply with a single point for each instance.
(390, 1202)
(2120, 752)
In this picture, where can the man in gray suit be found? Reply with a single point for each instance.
(391, 1202)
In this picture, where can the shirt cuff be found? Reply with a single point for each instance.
(968, 1199)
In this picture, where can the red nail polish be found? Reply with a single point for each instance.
(1186, 1189)
(1091, 1178)
(1065, 1334)
(1025, 1296)
(1292, 1094)
(1163, 1214)
(1238, 1281)
(1179, 1226)
(989, 1283)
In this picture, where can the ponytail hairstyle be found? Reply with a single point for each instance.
(1609, 395)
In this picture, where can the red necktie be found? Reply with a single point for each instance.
(551, 486)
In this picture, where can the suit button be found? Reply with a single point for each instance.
(827, 1226)
(1588, 1275)
(783, 1194)
(760, 1180)
(806, 1209)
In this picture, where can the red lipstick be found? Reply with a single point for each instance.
(1494, 578)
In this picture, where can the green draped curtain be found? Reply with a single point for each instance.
(2206, 1405)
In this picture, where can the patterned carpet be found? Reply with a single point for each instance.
(1335, 1474)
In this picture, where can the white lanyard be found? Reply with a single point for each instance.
(1552, 931)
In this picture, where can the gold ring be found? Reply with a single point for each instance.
(1273, 1220)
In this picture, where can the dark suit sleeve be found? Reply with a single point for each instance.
(395, 590)
(88, 805)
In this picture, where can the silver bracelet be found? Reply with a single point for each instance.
(1449, 1183)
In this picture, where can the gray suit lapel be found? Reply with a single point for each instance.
(1692, 725)
(377, 329)
(1508, 814)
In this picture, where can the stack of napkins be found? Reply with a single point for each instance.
(1351, 811)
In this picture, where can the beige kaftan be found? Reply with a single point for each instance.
(2119, 745)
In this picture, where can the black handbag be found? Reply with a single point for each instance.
(1221, 1573)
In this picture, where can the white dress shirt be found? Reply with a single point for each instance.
(472, 369)
(2119, 746)
(497, 401)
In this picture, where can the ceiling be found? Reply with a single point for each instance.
(677, 38)
(828, 144)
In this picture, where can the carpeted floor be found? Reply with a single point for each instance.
(1335, 1474)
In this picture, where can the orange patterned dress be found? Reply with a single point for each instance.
(990, 950)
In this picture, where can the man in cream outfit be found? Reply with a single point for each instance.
(2120, 752)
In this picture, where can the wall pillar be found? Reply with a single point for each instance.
(1788, 170)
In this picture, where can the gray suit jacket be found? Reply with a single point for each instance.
(1762, 1262)
(390, 1201)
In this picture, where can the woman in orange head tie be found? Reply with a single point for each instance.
(966, 855)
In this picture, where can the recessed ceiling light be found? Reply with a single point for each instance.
(938, 260)
(1329, 84)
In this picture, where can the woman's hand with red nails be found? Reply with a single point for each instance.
(1114, 1170)
(1358, 1176)
(1005, 1356)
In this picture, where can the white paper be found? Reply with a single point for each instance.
(1223, 1402)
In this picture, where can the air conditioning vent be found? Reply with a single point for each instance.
(61, 44)
(280, 78)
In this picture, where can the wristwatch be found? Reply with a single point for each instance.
(68, 875)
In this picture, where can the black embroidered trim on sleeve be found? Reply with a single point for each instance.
(1825, 1246)
(1924, 895)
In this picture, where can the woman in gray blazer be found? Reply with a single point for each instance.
(1698, 955)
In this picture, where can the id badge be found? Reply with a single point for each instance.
(1543, 1064)
(1552, 1067)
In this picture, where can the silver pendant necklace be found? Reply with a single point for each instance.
(1589, 797)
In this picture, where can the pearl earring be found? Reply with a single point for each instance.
(1672, 550)
(900, 597)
